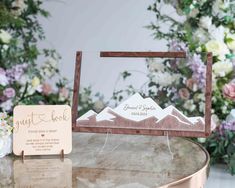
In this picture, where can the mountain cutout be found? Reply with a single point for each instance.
(139, 112)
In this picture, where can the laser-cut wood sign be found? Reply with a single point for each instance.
(138, 115)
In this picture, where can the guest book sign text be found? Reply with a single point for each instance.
(42, 129)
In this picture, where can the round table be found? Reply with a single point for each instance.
(108, 160)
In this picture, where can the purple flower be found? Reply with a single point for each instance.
(175, 46)
(16, 72)
(199, 70)
(9, 92)
(226, 125)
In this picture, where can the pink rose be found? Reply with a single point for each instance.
(9, 92)
(229, 91)
(63, 93)
(184, 93)
(46, 89)
(191, 84)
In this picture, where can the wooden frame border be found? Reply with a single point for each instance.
(208, 94)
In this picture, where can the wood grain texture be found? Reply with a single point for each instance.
(208, 94)
(143, 130)
(76, 87)
(144, 54)
(138, 131)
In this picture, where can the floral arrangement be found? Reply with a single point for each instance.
(201, 27)
(27, 72)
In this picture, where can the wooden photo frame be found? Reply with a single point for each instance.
(142, 130)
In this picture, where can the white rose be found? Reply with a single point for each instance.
(205, 22)
(217, 48)
(231, 41)
(220, 69)
(5, 37)
(217, 33)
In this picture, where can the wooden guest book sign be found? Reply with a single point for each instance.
(42, 130)
(138, 115)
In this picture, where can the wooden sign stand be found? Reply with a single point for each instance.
(61, 155)
(143, 131)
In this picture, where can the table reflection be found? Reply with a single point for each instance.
(43, 173)
(6, 172)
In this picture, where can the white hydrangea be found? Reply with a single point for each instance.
(5, 37)
(49, 68)
(201, 35)
(165, 78)
(205, 22)
(155, 66)
(189, 105)
(7, 105)
(219, 5)
(24, 79)
(217, 33)
(202, 107)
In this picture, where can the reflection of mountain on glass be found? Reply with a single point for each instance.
(137, 112)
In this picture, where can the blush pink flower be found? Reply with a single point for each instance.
(229, 91)
(191, 84)
(9, 92)
(63, 93)
(46, 89)
(184, 93)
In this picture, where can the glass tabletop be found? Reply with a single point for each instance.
(108, 160)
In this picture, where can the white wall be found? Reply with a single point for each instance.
(94, 25)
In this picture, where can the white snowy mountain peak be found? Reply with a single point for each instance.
(137, 108)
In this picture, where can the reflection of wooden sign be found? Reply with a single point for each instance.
(143, 116)
(43, 173)
(42, 130)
